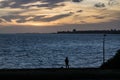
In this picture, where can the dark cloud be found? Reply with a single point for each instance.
(1, 21)
(52, 3)
(22, 19)
(113, 2)
(50, 6)
(80, 11)
(18, 3)
(77, 0)
(99, 5)
(9, 18)
(39, 18)
(83, 22)
(98, 17)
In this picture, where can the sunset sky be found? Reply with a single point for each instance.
(46, 16)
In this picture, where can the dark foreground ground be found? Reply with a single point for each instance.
(61, 74)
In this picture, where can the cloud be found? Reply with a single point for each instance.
(56, 12)
(80, 11)
(99, 5)
(34, 3)
(26, 3)
(1, 1)
(77, 0)
(53, 1)
(10, 11)
(56, 17)
(98, 17)
(113, 2)
(19, 19)
(36, 18)
(24, 19)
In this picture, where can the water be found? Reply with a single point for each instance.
(50, 50)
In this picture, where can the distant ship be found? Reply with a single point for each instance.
(74, 31)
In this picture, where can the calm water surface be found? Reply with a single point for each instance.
(50, 50)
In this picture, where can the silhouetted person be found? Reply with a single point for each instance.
(67, 62)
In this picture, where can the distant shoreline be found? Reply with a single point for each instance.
(90, 32)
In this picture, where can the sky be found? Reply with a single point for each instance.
(47, 16)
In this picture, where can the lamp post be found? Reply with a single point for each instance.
(104, 48)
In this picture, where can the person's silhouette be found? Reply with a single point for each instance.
(67, 62)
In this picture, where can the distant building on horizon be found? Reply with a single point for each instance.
(74, 31)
